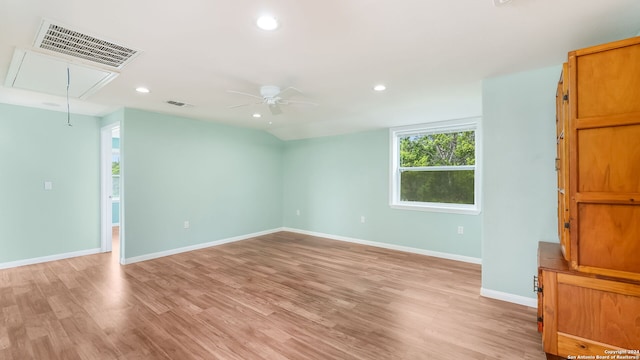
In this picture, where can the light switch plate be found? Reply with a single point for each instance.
(48, 185)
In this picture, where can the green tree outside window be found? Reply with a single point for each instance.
(438, 168)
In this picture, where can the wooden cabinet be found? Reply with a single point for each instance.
(602, 146)
(585, 314)
(589, 298)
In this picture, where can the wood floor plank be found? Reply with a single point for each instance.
(21, 347)
(279, 296)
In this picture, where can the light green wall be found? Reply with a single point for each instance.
(230, 182)
(37, 146)
(334, 181)
(226, 181)
(115, 117)
(519, 185)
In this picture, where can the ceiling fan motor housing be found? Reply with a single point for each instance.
(269, 91)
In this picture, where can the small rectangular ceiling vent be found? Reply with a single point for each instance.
(177, 103)
(73, 43)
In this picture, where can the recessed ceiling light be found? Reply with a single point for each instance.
(143, 90)
(500, 2)
(379, 87)
(267, 22)
(256, 115)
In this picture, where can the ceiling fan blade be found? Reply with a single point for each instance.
(275, 109)
(241, 105)
(288, 92)
(244, 93)
(300, 102)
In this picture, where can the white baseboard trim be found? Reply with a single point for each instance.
(437, 254)
(38, 260)
(160, 254)
(516, 299)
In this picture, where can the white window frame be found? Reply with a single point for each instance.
(470, 124)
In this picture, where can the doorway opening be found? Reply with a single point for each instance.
(111, 196)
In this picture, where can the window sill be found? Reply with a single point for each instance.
(465, 210)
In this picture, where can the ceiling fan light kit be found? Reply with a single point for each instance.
(269, 91)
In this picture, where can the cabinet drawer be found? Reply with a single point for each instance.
(569, 345)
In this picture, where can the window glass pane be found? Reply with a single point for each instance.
(116, 186)
(115, 172)
(456, 187)
(445, 149)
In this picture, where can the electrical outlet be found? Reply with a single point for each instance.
(460, 230)
(362, 219)
(187, 224)
(298, 212)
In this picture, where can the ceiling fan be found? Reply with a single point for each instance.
(272, 96)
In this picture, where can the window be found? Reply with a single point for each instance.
(434, 167)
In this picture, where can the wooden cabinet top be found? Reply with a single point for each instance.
(550, 258)
(604, 47)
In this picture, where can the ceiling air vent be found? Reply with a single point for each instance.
(69, 42)
(66, 62)
(177, 103)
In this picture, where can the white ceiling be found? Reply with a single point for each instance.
(432, 55)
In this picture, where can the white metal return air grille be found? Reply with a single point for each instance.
(69, 42)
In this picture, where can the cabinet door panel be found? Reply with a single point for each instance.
(609, 159)
(609, 237)
(608, 82)
(601, 316)
(549, 313)
(540, 301)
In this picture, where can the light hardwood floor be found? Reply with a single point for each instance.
(280, 296)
